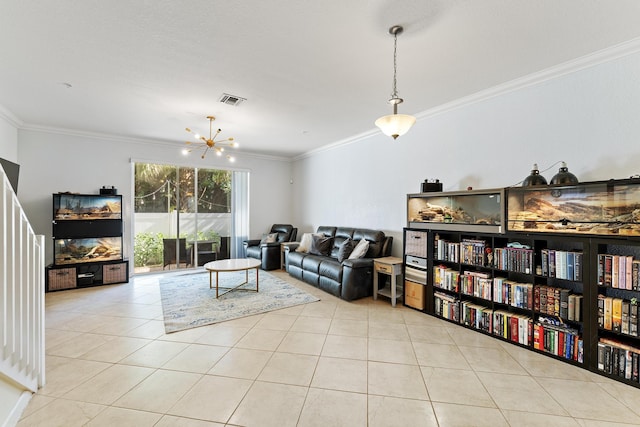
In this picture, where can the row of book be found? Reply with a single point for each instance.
(512, 326)
(618, 359)
(547, 334)
(446, 306)
(446, 278)
(446, 250)
(554, 337)
(477, 284)
(557, 302)
(619, 271)
(561, 264)
(518, 259)
(476, 316)
(468, 251)
(618, 315)
(541, 298)
(473, 252)
(515, 294)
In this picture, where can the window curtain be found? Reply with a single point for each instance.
(240, 212)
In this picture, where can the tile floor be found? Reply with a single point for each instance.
(329, 363)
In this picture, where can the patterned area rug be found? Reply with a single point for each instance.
(187, 301)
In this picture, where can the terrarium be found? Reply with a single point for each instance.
(600, 207)
(73, 251)
(473, 210)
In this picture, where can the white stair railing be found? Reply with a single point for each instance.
(21, 294)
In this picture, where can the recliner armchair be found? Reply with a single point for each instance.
(269, 252)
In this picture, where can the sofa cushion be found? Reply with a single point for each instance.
(332, 269)
(341, 234)
(360, 250)
(312, 263)
(345, 249)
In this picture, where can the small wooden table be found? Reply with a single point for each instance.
(229, 265)
(390, 266)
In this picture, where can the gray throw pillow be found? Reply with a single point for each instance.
(345, 249)
(321, 245)
(269, 238)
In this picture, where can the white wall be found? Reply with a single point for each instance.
(588, 118)
(52, 162)
(8, 140)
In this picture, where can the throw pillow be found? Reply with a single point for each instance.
(269, 238)
(305, 242)
(321, 245)
(346, 248)
(360, 250)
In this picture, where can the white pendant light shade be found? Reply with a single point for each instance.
(395, 125)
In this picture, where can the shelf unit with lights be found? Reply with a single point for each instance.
(560, 276)
(87, 242)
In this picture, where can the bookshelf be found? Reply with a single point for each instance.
(616, 278)
(572, 319)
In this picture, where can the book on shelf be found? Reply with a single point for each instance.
(601, 311)
(633, 320)
(624, 326)
(622, 272)
(629, 273)
(578, 308)
(608, 310)
(616, 315)
(564, 303)
(615, 265)
(577, 267)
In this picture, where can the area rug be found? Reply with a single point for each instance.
(188, 302)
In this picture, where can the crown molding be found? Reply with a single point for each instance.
(612, 53)
(10, 118)
(145, 141)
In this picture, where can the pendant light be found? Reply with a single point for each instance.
(395, 124)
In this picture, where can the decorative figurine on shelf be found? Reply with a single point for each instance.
(489, 253)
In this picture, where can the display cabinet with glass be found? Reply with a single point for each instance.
(599, 208)
(473, 210)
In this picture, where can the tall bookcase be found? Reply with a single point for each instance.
(551, 285)
(87, 242)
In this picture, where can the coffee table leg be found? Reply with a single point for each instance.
(210, 280)
(217, 284)
(257, 287)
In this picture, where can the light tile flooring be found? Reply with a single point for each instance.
(329, 363)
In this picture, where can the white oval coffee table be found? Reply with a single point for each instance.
(229, 265)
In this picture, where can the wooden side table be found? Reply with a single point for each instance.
(283, 254)
(391, 266)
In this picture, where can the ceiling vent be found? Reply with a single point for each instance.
(231, 99)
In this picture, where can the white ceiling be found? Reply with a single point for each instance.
(313, 72)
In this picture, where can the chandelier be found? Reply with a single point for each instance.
(395, 124)
(211, 143)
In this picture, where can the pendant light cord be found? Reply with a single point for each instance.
(394, 94)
